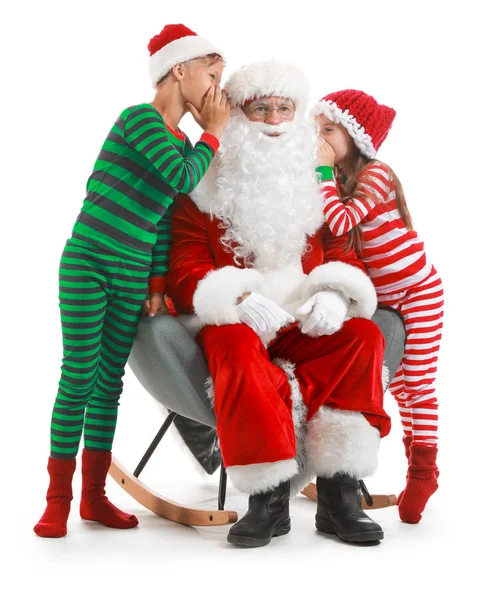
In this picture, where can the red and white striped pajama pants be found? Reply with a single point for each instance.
(413, 386)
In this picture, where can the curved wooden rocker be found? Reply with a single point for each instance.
(167, 508)
(369, 502)
(163, 506)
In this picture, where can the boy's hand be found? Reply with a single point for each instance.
(215, 111)
(155, 305)
(325, 154)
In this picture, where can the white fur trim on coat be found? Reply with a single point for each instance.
(176, 52)
(299, 415)
(385, 377)
(341, 441)
(261, 477)
(356, 131)
(268, 78)
(347, 279)
(215, 299)
(209, 388)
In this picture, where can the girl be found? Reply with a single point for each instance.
(117, 252)
(363, 196)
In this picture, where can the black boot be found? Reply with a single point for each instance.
(267, 516)
(201, 440)
(339, 510)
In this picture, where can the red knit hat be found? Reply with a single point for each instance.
(367, 121)
(173, 45)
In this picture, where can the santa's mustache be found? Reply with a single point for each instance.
(258, 127)
(284, 127)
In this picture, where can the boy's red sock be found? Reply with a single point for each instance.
(94, 505)
(421, 483)
(53, 523)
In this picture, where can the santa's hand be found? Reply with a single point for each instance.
(327, 309)
(262, 314)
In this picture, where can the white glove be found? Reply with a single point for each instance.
(328, 310)
(262, 314)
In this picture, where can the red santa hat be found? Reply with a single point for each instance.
(268, 78)
(367, 121)
(173, 45)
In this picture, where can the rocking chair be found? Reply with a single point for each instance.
(171, 367)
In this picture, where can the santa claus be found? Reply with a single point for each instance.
(282, 313)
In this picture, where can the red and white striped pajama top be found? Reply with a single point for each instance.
(404, 280)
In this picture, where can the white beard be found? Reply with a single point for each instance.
(267, 196)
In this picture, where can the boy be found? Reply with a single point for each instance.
(117, 252)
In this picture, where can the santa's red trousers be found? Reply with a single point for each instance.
(253, 403)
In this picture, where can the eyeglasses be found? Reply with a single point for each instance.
(260, 111)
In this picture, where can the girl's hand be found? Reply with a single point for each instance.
(325, 154)
(155, 305)
(215, 111)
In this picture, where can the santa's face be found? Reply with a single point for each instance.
(267, 196)
(271, 110)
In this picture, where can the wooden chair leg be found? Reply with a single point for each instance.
(378, 500)
(163, 506)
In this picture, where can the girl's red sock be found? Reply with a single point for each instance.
(421, 483)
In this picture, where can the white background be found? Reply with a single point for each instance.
(68, 70)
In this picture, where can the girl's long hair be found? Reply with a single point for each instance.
(355, 167)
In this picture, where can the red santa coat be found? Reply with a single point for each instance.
(197, 251)
(258, 385)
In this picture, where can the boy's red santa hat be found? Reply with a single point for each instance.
(173, 45)
(268, 78)
(367, 121)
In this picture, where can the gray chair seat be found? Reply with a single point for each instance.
(171, 367)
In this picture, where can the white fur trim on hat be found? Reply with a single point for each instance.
(332, 111)
(268, 78)
(176, 52)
